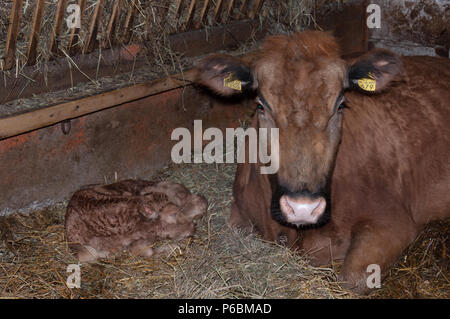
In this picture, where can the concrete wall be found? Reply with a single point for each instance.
(413, 27)
(409, 27)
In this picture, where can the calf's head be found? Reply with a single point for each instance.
(300, 81)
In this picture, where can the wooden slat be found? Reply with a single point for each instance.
(178, 7)
(35, 31)
(129, 20)
(93, 29)
(217, 10)
(59, 19)
(112, 25)
(17, 124)
(190, 14)
(229, 9)
(13, 30)
(257, 5)
(73, 40)
(203, 12)
(242, 10)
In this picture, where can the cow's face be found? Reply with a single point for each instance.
(300, 82)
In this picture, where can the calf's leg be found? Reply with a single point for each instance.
(86, 253)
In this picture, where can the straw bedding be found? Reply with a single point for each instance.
(218, 262)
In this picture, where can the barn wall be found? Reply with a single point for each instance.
(46, 166)
(413, 27)
(409, 27)
(346, 20)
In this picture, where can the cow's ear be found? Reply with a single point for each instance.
(224, 74)
(374, 71)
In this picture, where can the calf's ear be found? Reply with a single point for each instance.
(224, 74)
(374, 71)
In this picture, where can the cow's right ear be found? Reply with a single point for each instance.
(375, 70)
(224, 74)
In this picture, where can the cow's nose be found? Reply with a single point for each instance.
(302, 210)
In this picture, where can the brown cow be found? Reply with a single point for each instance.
(130, 215)
(368, 201)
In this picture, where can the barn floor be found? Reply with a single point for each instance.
(218, 262)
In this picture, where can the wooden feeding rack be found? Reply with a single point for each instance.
(93, 53)
(190, 14)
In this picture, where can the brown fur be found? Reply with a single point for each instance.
(385, 158)
(129, 215)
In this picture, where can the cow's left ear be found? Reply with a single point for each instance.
(225, 75)
(374, 71)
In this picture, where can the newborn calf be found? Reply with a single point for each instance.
(129, 215)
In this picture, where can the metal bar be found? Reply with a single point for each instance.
(190, 14)
(203, 12)
(13, 30)
(229, 9)
(217, 10)
(112, 25)
(74, 39)
(93, 30)
(242, 10)
(126, 37)
(59, 18)
(35, 31)
(178, 7)
(257, 5)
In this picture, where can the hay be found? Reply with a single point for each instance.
(154, 22)
(288, 16)
(424, 269)
(150, 25)
(218, 262)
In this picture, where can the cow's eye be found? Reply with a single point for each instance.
(260, 108)
(340, 103)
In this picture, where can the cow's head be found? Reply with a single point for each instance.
(300, 82)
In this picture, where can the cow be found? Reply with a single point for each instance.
(130, 215)
(363, 149)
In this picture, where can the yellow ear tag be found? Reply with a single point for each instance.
(367, 84)
(232, 83)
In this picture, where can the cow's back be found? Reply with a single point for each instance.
(395, 145)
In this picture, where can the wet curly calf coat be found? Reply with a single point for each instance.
(130, 215)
